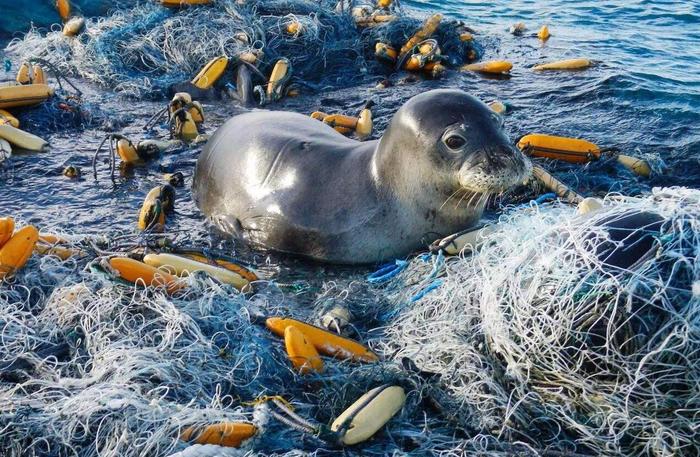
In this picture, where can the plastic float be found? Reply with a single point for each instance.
(325, 342)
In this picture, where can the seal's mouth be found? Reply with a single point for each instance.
(494, 170)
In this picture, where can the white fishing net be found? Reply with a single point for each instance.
(536, 339)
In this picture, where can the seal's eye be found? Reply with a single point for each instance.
(455, 142)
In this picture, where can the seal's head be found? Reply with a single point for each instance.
(449, 140)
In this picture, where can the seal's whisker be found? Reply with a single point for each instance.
(450, 197)
(470, 201)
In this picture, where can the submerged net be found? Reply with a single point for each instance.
(536, 339)
(143, 50)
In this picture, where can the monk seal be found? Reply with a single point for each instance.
(292, 184)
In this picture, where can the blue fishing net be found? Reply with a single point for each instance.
(144, 49)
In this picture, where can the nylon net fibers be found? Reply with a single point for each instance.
(143, 50)
(91, 366)
(539, 340)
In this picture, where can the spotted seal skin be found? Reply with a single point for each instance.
(292, 184)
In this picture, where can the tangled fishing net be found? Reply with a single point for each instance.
(143, 50)
(536, 339)
(535, 345)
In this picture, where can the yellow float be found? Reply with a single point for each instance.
(181, 3)
(15, 253)
(7, 228)
(22, 139)
(324, 341)
(229, 434)
(138, 272)
(74, 26)
(210, 73)
(182, 266)
(491, 66)
(569, 64)
(245, 273)
(8, 118)
(575, 150)
(368, 414)
(63, 8)
(24, 95)
(301, 352)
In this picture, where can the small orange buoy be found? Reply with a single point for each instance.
(324, 341)
(543, 33)
(17, 250)
(301, 352)
(7, 228)
(229, 434)
(63, 8)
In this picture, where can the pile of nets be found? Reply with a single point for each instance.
(143, 50)
(93, 366)
(538, 340)
(534, 345)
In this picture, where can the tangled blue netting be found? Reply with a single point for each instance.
(143, 50)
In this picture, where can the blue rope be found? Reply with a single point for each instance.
(542, 198)
(433, 285)
(386, 272)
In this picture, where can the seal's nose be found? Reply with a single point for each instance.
(495, 158)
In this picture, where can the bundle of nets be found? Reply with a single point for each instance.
(143, 50)
(539, 338)
(90, 365)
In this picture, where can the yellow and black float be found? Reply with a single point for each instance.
(368, 414)
(543, 33)
(325, 342)
(30, 74)
(223, 262)
(72, 172)
(301, 352)
(7, 118)
(518, 28)
(16, 96)
(183, 266)
(228, 434)
(16, 251)
(427, 29)
(183, 101)
(210, 73)
(159, 201)
(183, 3)
(575, 150)
(491, 66)
(22, 139)
(281, 73)
(568, 64)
